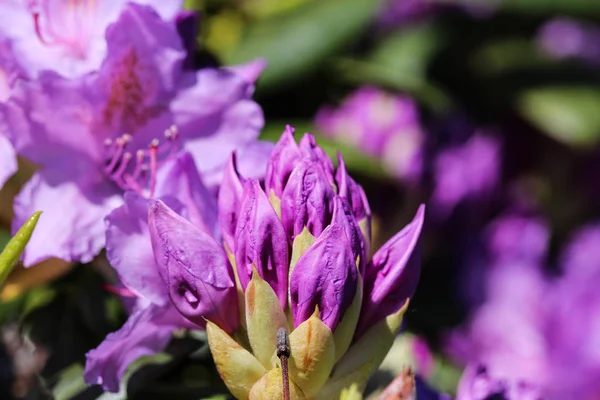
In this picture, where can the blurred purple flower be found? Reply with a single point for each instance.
(506, 333)
(477, 384)
(563, 38)
(574, 321)
(534, 329)
(467, 172)
(103, 139)
(383, 125)
(63, 36)
(396, 13)
(519, 238)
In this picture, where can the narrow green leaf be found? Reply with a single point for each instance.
(567, 114)
(400, 61)
(11, 253)
(70, 383)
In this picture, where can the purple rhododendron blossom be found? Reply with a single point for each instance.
(106, 137)
(64, 36)
(383, 125)
(129, 250)
(178, 250)
(467, 172)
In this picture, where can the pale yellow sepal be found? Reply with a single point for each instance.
(301, 243)
(372, 346)
(264, 316)
(334, 389)
(275, 203)
(238, 286)
(344, 331)
(365, 228)
(312, 355)
(271, 387)
(238, 368)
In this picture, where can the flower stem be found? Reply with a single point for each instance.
(283, 352)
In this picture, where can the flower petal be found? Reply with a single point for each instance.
(194, 268)
(129, 249)
(76, 235)
(230, 195)
(260, 241)
(179, 178)
(325, 276)
(283, 159)
(228, 119)
(8, 160)
(146, 332)
(392, 276)
(307, 200)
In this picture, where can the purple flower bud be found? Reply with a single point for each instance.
(307, 200)
(343, 216)
(230, 195)
(194, 267)
(392, 276)
(326, 277)
(283, 159)
(353, 192)
(309, 148)
(260, 241)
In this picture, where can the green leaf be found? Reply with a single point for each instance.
(70, 383)
(581, 7)
(505, 55)
(295, 43)
(567, 114)
(11, 253)
(355, 160)
(400, 61)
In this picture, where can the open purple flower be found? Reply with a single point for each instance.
(100, 134)
(9, 72)
(66, 37)
(293, 257)
(129, 250)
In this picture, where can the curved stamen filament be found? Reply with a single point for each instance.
(147, 161)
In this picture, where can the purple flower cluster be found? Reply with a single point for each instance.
(306, 234)
(535, 331)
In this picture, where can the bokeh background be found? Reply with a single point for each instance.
(488, 111)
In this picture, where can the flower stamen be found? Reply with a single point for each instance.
(119, 169)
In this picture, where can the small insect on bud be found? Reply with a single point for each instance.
(283, 352)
